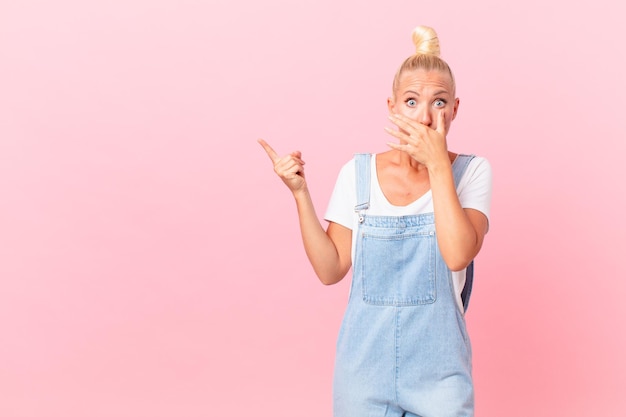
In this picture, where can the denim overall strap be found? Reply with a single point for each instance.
(459, 166)
(458, 169)
(362, 167)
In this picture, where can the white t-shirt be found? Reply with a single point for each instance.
(474, 191)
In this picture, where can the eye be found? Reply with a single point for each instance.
(411, 102)
(440, 102)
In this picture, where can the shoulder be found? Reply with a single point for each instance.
(346, 177)
(478, 167)
(477, 178)
(480, 160)
(348, 170)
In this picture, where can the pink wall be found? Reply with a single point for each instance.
(150, 263)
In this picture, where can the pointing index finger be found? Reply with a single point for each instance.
(268, 149)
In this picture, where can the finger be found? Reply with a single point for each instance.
(297, 170)
(268, 149)
(288, 159)
(441, 123)
(396, 146)
(288, 165)
(403, 122)
(290, 170)
(297, 155)
(406, 148)
(397, 134)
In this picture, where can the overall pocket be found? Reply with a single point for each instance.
(399, 269)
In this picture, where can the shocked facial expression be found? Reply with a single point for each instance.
(421, 95)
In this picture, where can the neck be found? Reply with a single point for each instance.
(405, 160)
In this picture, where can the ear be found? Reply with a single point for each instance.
(456, 107)
(391, 105)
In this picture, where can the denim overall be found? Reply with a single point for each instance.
(403, 349)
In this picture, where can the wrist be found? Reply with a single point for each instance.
(301, 193)
(440, 167)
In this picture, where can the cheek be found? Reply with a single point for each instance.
(449, 114)
(410, 112)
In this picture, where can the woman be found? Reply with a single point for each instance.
(419, 214)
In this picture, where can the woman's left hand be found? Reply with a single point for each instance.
(424, 144)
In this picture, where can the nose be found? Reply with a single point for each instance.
(424, 117)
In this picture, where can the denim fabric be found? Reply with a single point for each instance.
(403, 348)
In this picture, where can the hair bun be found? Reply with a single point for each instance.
(426, 41)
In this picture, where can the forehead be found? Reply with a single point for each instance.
(425, 81)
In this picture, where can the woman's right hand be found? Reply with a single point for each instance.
(290, 168)
(329, 252)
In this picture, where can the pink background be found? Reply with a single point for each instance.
(150, 262)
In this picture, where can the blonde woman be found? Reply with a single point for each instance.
(409, 222)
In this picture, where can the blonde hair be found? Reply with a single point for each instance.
(426, 56)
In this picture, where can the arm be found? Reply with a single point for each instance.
(328, 251)
(460, 232)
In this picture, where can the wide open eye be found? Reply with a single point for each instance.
(440, 103)
(411, 102)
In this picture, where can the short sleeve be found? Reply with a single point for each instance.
(475, 187)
